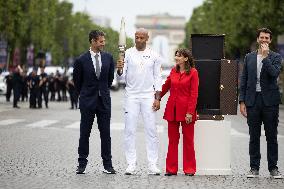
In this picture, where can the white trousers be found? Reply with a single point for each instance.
(133, 108)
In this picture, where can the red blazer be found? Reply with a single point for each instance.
(183, 95)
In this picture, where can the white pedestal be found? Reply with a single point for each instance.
(213, 147)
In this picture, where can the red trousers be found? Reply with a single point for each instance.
(189, 163)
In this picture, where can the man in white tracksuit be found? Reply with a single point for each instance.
(141, 70)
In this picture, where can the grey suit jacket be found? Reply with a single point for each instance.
(268, 79)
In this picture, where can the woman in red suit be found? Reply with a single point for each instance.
(181, 110)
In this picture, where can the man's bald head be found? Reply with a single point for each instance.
(141, 37)
(142, 31)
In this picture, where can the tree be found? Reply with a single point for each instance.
(50, 25)
(239, 20)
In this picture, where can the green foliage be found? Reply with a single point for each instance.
(50, 25)
(239, 20)
(110, 46)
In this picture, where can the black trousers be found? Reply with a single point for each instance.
(43, 91)
(17, 94)
(8, 93)
(103, 121)
(33, 97)
(268, 115)
(73, 98)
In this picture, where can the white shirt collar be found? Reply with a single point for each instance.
(93, 53)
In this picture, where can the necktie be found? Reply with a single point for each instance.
(97, 66)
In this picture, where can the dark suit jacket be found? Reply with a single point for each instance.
(268, 79)
(88, 85)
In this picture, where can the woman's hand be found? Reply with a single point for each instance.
(188, 118)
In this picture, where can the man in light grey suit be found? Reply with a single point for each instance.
(259, 101)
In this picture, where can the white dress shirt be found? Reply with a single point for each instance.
(259, 66)
(93, 54)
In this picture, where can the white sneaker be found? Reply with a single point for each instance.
(153, 170)
(131, 170)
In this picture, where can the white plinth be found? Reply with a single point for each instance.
(213, 147)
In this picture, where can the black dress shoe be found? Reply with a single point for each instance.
(81, 169)
(170, 174)
(189, 174)
(109, 170)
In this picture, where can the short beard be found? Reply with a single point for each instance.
(142, 47)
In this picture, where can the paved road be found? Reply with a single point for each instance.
(39, 150)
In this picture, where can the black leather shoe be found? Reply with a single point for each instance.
(189, 174)
(81, 169)
(170, 174)
(109, 170)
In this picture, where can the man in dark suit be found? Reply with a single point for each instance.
(93, 75)
(259, 101)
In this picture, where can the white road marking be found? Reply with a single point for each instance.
(75, 125)
(10, 121)
(42, 123)
(117, 126)
(113, 126)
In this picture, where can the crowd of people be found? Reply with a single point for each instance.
(94, 72)
(38, 87)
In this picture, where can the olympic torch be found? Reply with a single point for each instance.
(122, 42)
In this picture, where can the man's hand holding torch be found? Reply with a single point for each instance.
(119, 66)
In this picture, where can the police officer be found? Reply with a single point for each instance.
(51, 86)
(72, 93)
(34, 88)
(58, 85)
(9, 83)
(43, 88)
(24, 92)
(17, 85)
